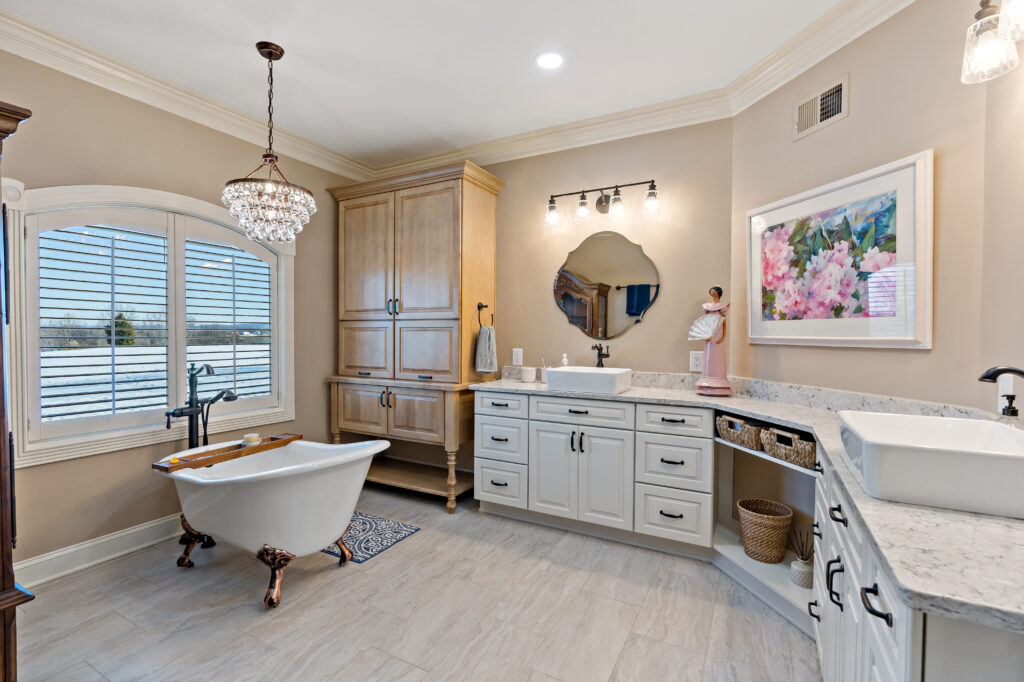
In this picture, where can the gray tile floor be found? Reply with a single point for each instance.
(469, 597)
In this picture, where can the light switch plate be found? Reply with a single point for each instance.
(517, 357)
(696, 360)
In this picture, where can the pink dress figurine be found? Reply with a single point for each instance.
(710, 328)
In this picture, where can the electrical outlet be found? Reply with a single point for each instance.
(517, 357)
(696, 361)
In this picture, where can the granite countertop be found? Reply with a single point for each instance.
(958, 564)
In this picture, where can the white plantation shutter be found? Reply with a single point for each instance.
(228, 318)
(103, 333)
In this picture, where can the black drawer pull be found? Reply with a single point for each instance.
(815, 533)
(817, 468)
(495, 404)
(669, 461)
(834, 596)
(828, 572)
(671, 516)
(500, 485)
(364, 374)
(572, 411)
(836, 514)
(812, 614)
(499, 440)
(381, 397)
(572, 441)
(673, 421)
(581, 441)
(873, 590)
(428, 377)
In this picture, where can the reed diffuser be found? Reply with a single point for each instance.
(801, 569)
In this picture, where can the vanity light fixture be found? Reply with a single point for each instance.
(269, 209)
(988, 51)
(1011, 20)
(605, 203)
(549, 60)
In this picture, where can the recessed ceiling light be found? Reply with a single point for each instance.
(549, 60)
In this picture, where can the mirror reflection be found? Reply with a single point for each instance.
(606, 285)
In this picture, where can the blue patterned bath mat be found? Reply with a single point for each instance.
(370, 535)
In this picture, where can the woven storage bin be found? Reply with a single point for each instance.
(764, 526)
(789, 447)
(739, 431)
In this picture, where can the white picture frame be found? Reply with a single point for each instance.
(904, 310)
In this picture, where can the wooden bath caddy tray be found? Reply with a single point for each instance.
(217, 455)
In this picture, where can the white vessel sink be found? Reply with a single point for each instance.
(966, 464)
(610, 380)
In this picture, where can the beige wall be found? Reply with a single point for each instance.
(688, 242)
(83, 134)
(905, 97)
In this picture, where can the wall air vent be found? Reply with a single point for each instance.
(824, 107)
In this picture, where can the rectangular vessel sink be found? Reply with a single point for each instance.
(610, 380)
(965, 464)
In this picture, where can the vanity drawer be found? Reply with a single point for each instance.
(672, 514)
(502, 404)
(500, 438)
(674, 461)
(500, 482)
(893, 642)
(682, 421)
(606, 413)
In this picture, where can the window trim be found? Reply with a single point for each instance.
(21, 205)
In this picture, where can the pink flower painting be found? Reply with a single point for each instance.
(819, 266)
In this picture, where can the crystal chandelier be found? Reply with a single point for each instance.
(269, 209)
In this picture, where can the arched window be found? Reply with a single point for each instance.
(116, 291)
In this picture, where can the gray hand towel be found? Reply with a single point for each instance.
(486, 351)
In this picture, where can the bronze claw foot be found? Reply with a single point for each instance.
(277, 560)
(346, 553)
(190, 538)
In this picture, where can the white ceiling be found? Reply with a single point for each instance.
(385, 81)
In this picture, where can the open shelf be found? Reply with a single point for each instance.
(774, 577)
(422, 478)
(765, 455)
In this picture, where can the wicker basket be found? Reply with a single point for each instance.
(739, 431)
(764, 526)
(789, 447)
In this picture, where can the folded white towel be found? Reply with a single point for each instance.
(486, 351)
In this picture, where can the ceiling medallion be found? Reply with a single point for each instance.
(269, 209)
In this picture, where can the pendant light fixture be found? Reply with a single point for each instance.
(269, 209)
(988, 53)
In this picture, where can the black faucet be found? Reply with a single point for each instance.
(601, 354)
(196, 408)
(992, 374)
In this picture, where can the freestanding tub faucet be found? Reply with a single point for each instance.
(196, 408)
(992, 374)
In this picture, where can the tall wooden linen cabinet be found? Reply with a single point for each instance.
(416, 255)
(11, 594)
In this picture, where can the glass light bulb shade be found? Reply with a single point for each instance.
(268, 210)
(617, 209)
(582, 210)
(1011, 20)
(551, 217)
(986, 54)
(651, 204)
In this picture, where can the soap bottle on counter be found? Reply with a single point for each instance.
(565, 359)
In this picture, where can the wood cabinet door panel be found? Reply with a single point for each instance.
(416, 415)
(427, 351)
(361, 409)
(366, 257)
(366, 349)
(428, 243)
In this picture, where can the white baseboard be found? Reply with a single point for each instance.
(61, 562)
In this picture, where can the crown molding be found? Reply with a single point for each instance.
(829, 33)
(39, 45)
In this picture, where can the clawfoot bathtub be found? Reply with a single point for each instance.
(281, 503)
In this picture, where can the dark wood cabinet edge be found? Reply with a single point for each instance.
(16, 596)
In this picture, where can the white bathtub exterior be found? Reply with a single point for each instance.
(299, 497)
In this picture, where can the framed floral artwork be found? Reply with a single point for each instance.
(847, 264)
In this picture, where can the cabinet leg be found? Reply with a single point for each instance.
(336, 437)
(451, 480)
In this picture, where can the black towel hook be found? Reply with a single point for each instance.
(479, 307)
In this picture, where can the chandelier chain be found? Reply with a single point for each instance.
(270, 106)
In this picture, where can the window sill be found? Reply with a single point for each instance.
(60, 449)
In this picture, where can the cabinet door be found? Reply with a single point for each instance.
(427, 351)
(366, 349)
(428, 245)
(416, 415)
(366, 257)
(361, 409)
(554, 470)
(606, 477)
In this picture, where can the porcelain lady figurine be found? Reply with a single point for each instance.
(710, 328)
